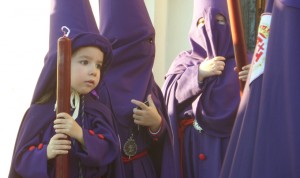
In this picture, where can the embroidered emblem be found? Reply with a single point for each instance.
(130, 147)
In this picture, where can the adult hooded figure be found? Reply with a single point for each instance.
(100, 154)
(264, 141)
(128, 83)
(202, 92)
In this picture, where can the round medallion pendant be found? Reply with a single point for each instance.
(130, 147)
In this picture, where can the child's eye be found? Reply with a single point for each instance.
(98, 66)
(84, 62)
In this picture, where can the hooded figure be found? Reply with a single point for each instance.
(265, 142)
(203, 109)
(100, 154)
(128, 27)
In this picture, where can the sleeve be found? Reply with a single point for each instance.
(161, 108)
(155, 136)
(101, 145)
(31, 159)
(188, 85)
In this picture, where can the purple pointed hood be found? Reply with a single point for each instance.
(209, 41)
(126, 23)
(218, 103)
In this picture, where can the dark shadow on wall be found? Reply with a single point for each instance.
(251, 11)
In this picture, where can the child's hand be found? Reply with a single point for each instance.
(146, 115)
(58, 145)
(65, 124)
(243, 75)
(211, 67)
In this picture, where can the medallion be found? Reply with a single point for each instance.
(130, 147)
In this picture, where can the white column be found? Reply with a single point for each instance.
(172, 20)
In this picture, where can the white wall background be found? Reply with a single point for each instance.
(172, 20)
(24, 43)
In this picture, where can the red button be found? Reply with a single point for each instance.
(91, 132)
(101, 136)
(202, 156)
(40, 146)
(31, 148)
(155, 139)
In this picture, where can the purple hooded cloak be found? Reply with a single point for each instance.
(265, 142)
(101, 156)
(203, 113)
(127, 25)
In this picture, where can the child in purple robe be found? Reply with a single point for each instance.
(93, 145)
(93, 149)
(202, 92)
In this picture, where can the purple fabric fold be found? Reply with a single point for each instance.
(264, 142)
(291, 3)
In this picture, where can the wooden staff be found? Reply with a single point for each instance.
(238, 39)
(63, 93)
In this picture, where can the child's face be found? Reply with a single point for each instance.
(85, 69)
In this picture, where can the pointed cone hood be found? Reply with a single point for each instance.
(130, 21)
(210, 39)
(126, 23)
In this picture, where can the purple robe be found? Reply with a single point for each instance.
(211, 105)
(101, 155)
(95, 160)
(127, 25)
(265, 142)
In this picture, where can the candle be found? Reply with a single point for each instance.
(64, 54)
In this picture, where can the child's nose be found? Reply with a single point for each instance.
(93, 71)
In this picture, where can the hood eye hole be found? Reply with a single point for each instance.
(200, 22)
(220, 19)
